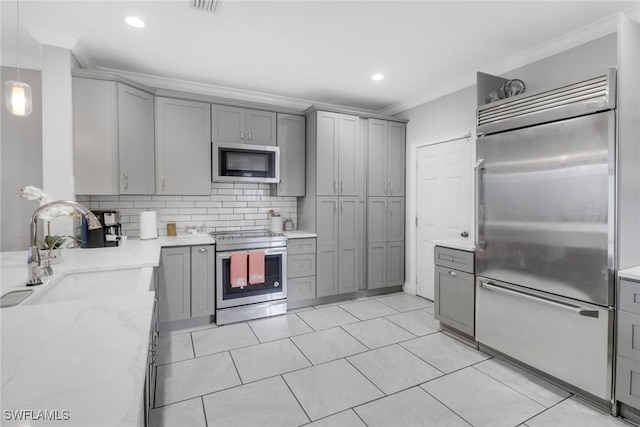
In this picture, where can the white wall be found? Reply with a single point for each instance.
(21, 163)
(454, 114)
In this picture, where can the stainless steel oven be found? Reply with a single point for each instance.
(235, 304)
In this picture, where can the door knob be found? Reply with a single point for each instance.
(464, 234)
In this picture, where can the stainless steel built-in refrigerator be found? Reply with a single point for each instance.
(545, 209)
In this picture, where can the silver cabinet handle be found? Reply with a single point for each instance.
(453, 273)
(242, 136)
(203, 249)
(563, 306)
(126, 181)
(341, 186)
(335, 207)
(249, 136)
(384, 187)
(341, 206)
(162, 182)
(477, 211)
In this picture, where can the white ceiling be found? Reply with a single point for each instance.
(318, 51)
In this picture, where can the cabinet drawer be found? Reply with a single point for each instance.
(630, 296)
(301, 246)
(628, 381)
(454, 258)
(629, 335)
(301, 265)
(301, 288)
(455, 297)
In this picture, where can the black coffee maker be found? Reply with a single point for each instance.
(108, 235)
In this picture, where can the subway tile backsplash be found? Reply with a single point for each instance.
(231, 206)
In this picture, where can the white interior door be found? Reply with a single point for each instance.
(444, 202)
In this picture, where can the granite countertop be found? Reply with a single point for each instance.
(299, 234)
(89, 356)
(459, 243)
(632, 273)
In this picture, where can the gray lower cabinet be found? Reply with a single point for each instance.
(455, 289)
(385, 235)
(186, 283)
(301, 269)
(628, 360)
(385, 264)
(327, 268)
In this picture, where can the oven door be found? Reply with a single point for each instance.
(274, 287)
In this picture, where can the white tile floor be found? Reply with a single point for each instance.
(379, 361)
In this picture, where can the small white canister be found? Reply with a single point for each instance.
(276, 224)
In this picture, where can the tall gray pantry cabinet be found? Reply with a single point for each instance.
(385, 203)
(334, 204)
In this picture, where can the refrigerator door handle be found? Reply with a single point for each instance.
(563, 306)
(479, 242)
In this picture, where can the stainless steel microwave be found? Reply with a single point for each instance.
(245, 163)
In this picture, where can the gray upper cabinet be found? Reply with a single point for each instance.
(338, 151)
(386, 158)
(135, 140)
(327, 221)
(183, 147)
(291, 141)
(203, 281)
(395, 219)
(242, 126)
(113, 138)
(377, 219)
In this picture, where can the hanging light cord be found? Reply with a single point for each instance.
(18, 37)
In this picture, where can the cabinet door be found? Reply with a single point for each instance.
(174, 288)
(377, 219)
(327, 221)
(183, 147)
(326, 154)
(136, 141)
(362, 241)
(395, 263)
(396, 159)
(348, 262)
(348, 138)
(348, 221)
(455, 299)
(291, 141)
(376, 265)
(227, 124)
(203, 280)
(260, 127)
(377, 158)
(327, 268)
(395, 218)
(95, 136)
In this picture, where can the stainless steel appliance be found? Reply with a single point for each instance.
(252, 301)
(545, 212)
(245, 163)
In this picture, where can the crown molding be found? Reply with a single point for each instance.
(597, 29)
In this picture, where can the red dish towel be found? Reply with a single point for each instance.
(238, 273)
(256, 267)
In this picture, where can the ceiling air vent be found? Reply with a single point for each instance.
(204, 5)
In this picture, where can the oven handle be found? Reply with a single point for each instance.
(278, 251)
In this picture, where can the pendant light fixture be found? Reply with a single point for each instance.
(18, 93)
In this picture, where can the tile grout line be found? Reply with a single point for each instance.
(296, 398)
(442, 403)
(305, 322)
(368, 379)
(204, 409)
(236, 368)
(301, 352)
(546, 409)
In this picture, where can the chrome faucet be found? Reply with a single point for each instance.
(33, 256)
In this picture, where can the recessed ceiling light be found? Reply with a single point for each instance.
(134, 21)
(377, 77)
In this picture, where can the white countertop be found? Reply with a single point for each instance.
(88, 356)
(299, 234)
(462, 244)
(632, 273)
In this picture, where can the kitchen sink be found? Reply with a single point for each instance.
(94, 284)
